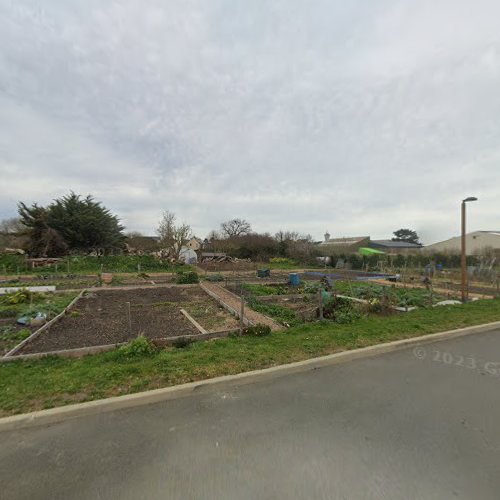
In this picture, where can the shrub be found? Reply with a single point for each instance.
(139, 346)
(182, 342)
(188, 277)
(258, 330)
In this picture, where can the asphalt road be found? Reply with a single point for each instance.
(414, 424)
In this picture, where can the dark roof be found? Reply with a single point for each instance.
(393, 244)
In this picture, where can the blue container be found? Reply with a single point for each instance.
(294, 279)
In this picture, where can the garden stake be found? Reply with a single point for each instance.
(129, 318)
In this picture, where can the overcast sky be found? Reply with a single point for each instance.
(357, 117)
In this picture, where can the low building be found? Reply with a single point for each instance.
(476, 243)
(344, 245)
(395, 247)
(194, 244)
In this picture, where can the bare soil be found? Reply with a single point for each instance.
(101, 318)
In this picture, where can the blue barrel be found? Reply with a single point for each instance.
(294, 279)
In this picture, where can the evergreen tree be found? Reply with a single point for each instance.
(71, 223)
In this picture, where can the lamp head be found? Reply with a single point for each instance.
(470, 198)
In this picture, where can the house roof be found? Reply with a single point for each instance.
(394, 244)
(352, 240)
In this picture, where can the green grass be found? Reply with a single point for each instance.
(398, 296)
(49, 303)
(84, 264)
(282, 314)
(10, 337)
(49, 382)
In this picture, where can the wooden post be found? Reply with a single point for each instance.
(320, 303)
(129, 317)
(242, 314)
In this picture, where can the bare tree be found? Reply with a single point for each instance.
(235, 227)
(287, 236)
(173, 236)
(134, 234)
(11, 226)
(214, 235)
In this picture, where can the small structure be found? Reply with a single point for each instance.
(194, 243)
(188, 255)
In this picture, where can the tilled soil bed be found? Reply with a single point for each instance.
(101, 318)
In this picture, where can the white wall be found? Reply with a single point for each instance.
(474, 242)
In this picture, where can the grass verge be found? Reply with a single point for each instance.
(49, 382)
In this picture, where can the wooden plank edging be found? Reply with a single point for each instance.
(193, 321)
(246, 321)
(79, 352)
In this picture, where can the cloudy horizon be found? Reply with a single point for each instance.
(354, 117)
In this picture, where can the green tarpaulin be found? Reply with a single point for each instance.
(370, 251)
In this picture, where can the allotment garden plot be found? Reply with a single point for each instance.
(341, 301)
(23, 303)
(102, 318)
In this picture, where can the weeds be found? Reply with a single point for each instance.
(187, 277)
(258, 330)
(137, 347)
(182, 342)
(281, 314)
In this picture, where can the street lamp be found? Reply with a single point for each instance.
(463, 257)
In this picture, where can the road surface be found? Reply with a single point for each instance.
(421, 423)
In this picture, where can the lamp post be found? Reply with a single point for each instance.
(463, 254)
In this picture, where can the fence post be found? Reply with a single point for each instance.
(242, 313)
(320, 300)
(129, 317)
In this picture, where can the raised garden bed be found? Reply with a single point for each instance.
(101, 318)
(14, 305)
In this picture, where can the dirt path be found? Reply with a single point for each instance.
(234, 302)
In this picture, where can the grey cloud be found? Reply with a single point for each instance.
(355, 117)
